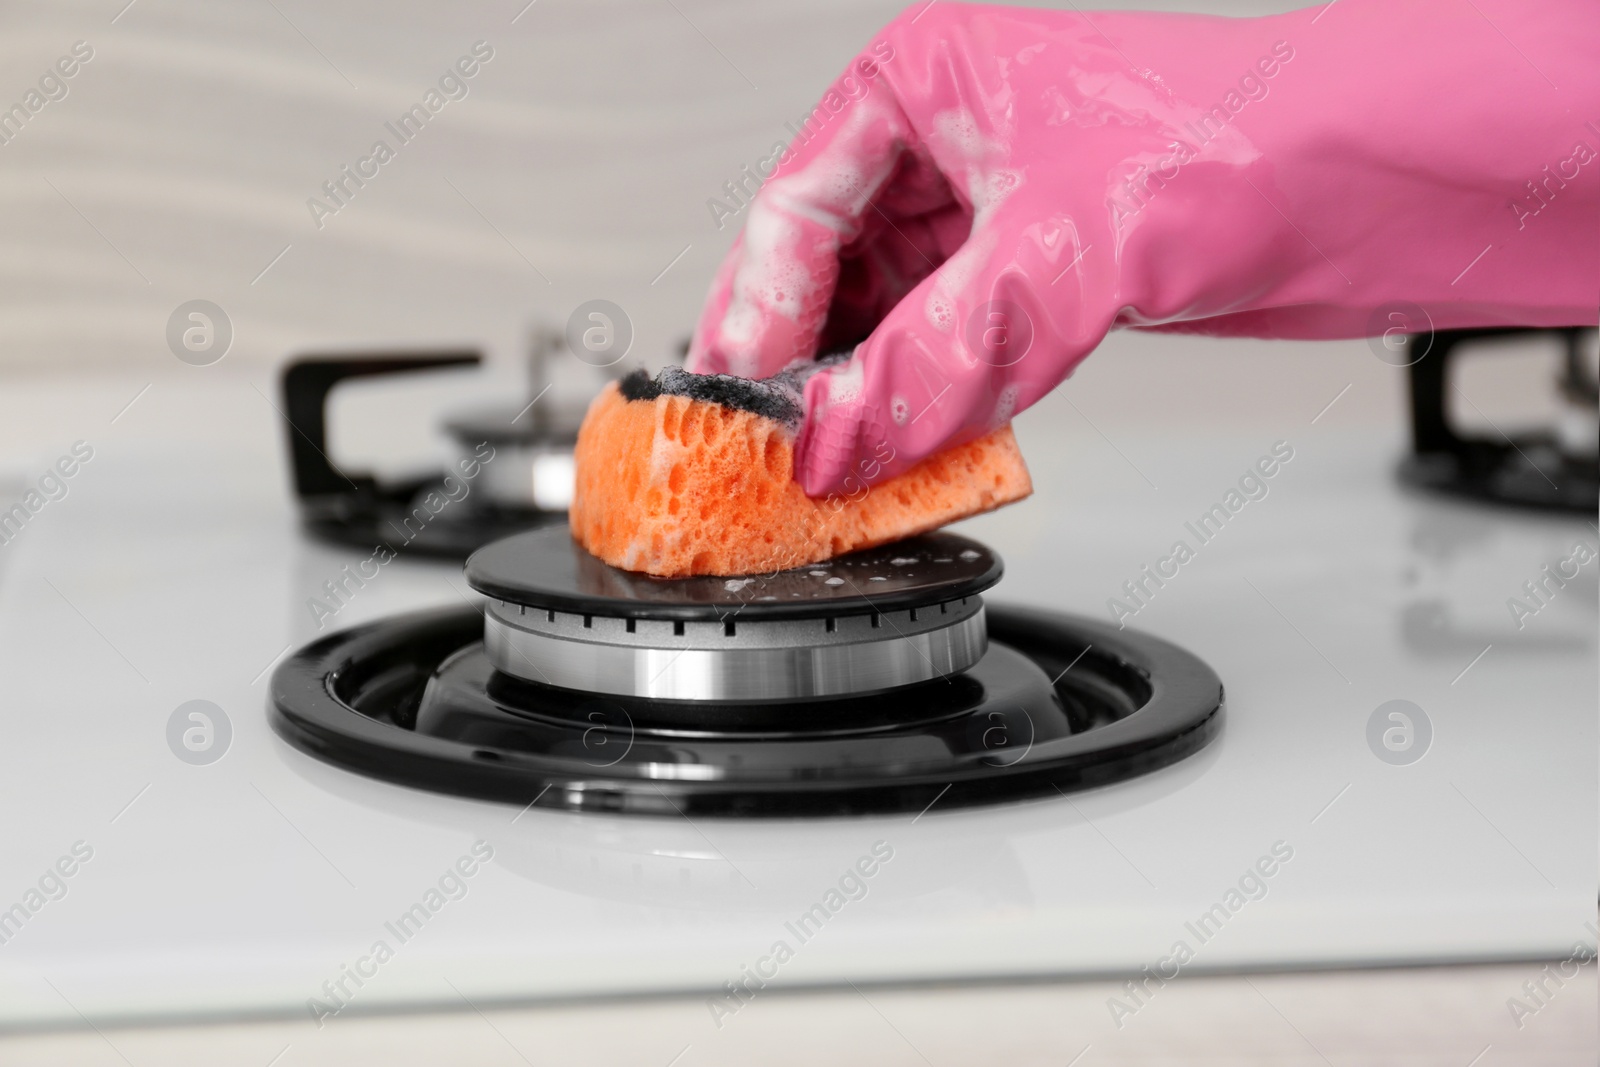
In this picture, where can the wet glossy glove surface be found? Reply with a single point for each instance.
(987, 191)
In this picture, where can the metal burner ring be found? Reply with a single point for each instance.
(734, 659)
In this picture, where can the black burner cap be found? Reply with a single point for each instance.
(547, 569)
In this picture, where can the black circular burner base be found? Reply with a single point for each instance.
(1058, 703)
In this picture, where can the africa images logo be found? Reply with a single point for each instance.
(854, 84)
(338, 191)
(52, 87)
(51, 485)
(339, 590)
(1253, 485)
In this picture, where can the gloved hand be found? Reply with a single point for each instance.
(987, 191)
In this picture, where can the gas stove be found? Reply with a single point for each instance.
(1554, 467)
(511, 471)
(239, 878)
(865, 684)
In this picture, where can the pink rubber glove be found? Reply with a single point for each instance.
(987, 191)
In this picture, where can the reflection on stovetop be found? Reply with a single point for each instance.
(663, 867)
(1548, 612)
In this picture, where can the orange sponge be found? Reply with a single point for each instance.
(676, 485)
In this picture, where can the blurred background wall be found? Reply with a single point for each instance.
(179, 164)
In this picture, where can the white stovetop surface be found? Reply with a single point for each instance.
(174, 571)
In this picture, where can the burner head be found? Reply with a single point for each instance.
(897, 615)
(547, 569)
